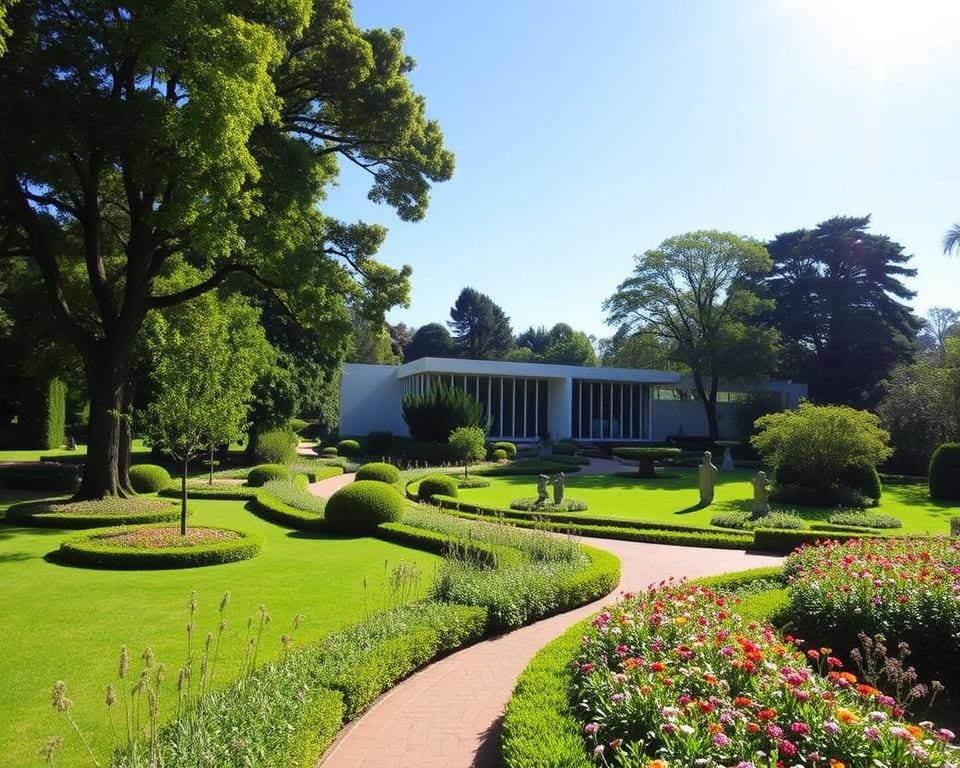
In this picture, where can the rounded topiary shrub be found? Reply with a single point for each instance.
(264, 473)
(507, 447)
(148, 478)
(862, 477)
(945, 473)
(348, 447)
(499, 454)
(278, 446)
(378, 470)
(442, 485)
(329, 452)
(361, 506)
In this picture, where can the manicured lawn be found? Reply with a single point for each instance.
(62, 623)
(674, 500)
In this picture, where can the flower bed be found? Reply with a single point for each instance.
(158, 547)
(676, 674)
(532, 504)
(908, 589)
(92, 514)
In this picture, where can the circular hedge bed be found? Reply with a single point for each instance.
(149, 478)
(156, 546)
(532, 505)
(645, 457)
(361, 506)
(92, 514)
(379, 470)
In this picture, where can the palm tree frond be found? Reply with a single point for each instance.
(951, 240)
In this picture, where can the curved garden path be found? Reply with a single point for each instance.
(448, 714)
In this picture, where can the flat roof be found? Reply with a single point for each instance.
(534, 370)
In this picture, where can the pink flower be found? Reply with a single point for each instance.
(801, 729)
(591, 728)
(721, 739)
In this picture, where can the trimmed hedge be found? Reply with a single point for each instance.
(564, 448)
(361, 506)
(262, 474)
(269, 507)
(945, 473)
(437, 485)
(42, 476)
(313, 470)
(43, 415)
(92, 514)
(149, 478)
(348, 448)
(381, 471)
(773, 540)
(864, 520)
(532, 504)
(440, 543)
(862, 477)
(535, 466)
(89, 551)
(499, 455)
(645, 457)
(199, 489)
(328, 452)
(510, 449)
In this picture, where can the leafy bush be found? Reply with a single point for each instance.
(375, 470)
(743, 521)
(148, 478)
(530, 504)
(297, 425)
(499, 454)
(348, 448)
(200, 489)
(838, 496)
(97, 550)
(472, 482)
(278, 446)
(264, 473)
(862, 477)
(645, 457)
(92, 514)
(361, 506)
(468, 443)
(861, 519)
(43, 414)
(815, 444)
(955, 526)
(443, 485)
(433, 415)
(945, 473)
(564, 448)
(44, 476)
(510, 449)
(329, 451)
(379, 442)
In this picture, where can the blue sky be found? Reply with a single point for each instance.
(586, 133)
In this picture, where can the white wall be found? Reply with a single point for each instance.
(560, 407)
(370, 400)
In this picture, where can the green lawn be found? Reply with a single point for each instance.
(674, 499)
(62, 623)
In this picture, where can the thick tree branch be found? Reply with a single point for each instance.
(172, 299)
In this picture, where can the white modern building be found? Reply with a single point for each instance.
(528, 400)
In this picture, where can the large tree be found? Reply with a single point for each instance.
(480, 328)
(141, 136)
(840, 308)
(940, 323)
(692, 293)
(561, 344)
(430, 340)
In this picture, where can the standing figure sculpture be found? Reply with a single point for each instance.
(708, 478)
(761, 486)
(542, 489)
(558, 481)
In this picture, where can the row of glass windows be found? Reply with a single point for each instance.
(689, 395)
(516, 407)
(605, 410)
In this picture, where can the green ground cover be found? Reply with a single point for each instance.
(674, 499)
(63, 623)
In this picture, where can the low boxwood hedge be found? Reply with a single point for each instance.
(363, 505)
(41, 476)
(270, 508)
(510, 449)
(90, 550)
(92, 514)
(532, 504)
(771, 540)
(264, 473)
(379, 470)
(199, 489)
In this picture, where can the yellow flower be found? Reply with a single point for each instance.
(680, 621)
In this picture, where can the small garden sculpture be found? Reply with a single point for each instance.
(558, 481)
(708, 478)
(761, 490)
(542, 488)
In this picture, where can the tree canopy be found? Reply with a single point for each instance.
(430, 340)
(840, 308)
(561, 344)
(481, 329)
(693, 294)
(135, 140)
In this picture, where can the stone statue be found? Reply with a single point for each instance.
(558, 481)
(542, 489)
(708, 478)
(761, 488)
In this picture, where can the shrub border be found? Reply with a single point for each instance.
(83, 550)
(24, 514)
(270, 508)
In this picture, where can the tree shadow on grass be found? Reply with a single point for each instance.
(692, 508)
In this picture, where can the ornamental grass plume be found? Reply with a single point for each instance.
(62, 705)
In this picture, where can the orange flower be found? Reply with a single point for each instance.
(837, 764)
(657, 764)
(915, 731)
(846, 716)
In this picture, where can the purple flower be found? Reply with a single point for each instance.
(721, 739)
(591, 728)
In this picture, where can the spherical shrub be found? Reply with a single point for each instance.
(499, 454)
(378, 470)
(348, 447)
(148, 478)
(278, 446)
(503, 445)
(444, 485)
(328, 452)
(945, 473)
(863, 477)
(264, 473)
(361, 506)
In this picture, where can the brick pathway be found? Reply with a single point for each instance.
(326, 488)
(448, 714)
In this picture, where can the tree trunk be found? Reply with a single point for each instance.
(105, 382)
(183, 499)
(709, 403)
(211, 465)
